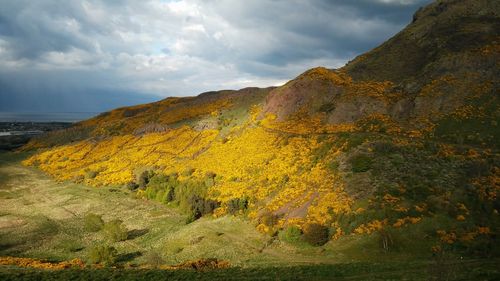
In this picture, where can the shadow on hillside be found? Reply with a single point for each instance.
(128, 256)
(134, 233)
(8, 248)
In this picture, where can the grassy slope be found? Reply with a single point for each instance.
(41, 218)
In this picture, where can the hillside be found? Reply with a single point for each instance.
(402, 141)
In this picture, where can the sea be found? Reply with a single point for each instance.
(45, 116)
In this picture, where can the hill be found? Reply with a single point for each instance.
(402, 141)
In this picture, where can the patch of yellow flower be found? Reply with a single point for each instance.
(40, 264)
(488, 187)
(447, 237)
(269, 167)
(370, 227)
(391, 199)
(406, 220)
(421, 207)
(263, 228)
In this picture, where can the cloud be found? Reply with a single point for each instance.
(156, 48)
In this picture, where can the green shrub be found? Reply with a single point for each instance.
(361, 163)
(162, 188)
(315, 234)
(291, 234)
(236, 204)
(100, 254)
(93, 222)
(169, 195)
(115, 231)
(192, 216)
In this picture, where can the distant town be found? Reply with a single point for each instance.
(15, 134)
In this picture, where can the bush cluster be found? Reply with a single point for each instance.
(102, 254)
(115, 231)
(189, 194)
(93, 222)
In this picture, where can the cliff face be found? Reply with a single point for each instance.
(404, 134)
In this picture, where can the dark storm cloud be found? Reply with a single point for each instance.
(31, 32)
(85, 53)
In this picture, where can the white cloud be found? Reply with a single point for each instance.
(188, 46)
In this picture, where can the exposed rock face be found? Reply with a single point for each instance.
(312, 91)
(446, 56)
(151, 128)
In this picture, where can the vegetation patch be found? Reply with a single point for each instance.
(115, 231)
(93, 222)
(102, 254)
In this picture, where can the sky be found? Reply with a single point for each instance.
(95, 55)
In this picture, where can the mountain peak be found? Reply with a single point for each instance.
(450, 45)
(438, 31)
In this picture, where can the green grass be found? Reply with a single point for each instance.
(436, 270)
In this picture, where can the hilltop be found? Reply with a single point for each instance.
(401, 142)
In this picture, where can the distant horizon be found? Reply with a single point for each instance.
(45, 116)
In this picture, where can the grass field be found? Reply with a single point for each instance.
(41, 218)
